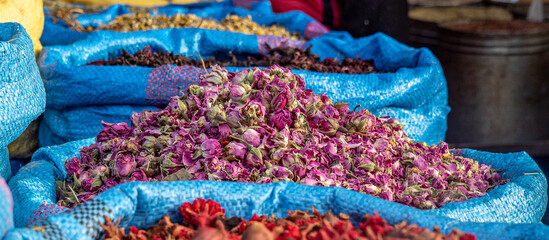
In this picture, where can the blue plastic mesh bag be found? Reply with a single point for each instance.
(6, 208)
(60, 126)
(22, 97)
(261, 12)
(144, 204)
(416, 94)
(523, 200)
(5, 165)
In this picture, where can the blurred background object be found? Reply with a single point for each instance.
(142, 3)
(496, 63)
(358, 17)
(28, 13)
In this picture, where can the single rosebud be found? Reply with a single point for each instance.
(254, 110)
(233, 119)
(124, 165)
(252, 137)
(237, 91)
(236, 149)
(301, 121)
(281, 118)
(254, 158)
(280, 101)
(73, 166)
(329, 127)
(211, 148)
(240, 76)
(216, 76)
(196, 90)
(91, 184)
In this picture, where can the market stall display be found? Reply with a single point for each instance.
(412, 88)
(211, 121)
(262, 126)
(222, 16)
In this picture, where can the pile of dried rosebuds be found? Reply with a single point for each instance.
(263, 126)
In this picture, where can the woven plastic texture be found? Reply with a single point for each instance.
(22, 96)
(144, 204)
(415, 94)
(523, 200)
(6, 208)
(5, 165)
(61, 126)
(261, 12)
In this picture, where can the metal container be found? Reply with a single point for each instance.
(498, 84)
(424, 21)
(520, 8)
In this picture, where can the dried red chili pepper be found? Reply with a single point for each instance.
(206, 220)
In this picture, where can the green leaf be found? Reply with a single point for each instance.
(150, 138)
(96, 182)
(180, 175)
(368, 167)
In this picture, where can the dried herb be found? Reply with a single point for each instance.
(232, 23)
(263, 126)
(287, 57)
(206, 220)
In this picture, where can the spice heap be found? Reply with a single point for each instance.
(206, 220)
(67, 12)
(232, 23)
(287, 57)
(56, 5)
(263, 126)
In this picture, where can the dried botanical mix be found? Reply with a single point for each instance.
(287, 57)
(263, 126)
(232, 23)
(206, 220)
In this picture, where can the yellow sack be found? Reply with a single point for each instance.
(141, 3)
(28, 13)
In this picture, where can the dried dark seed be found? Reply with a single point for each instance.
(288, 57)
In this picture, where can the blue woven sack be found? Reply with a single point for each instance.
(416, 94)
(60, 126)
(22, 97)
(5, 165)
(144, 204)
(6, 208)
(523, 200)
(261, 12)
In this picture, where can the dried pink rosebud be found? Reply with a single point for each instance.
(73, 167)
(110, 183)
(211, 148)
(236, 149)
(237, 91)
(215, 76)
(124, 165)
(280, 101)
(252, 137)
(224, 130)
(139, 175)
(233, 118)
(111, 131)
(281, 119)
(91, 184)
(254, 110)
(254, 158)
